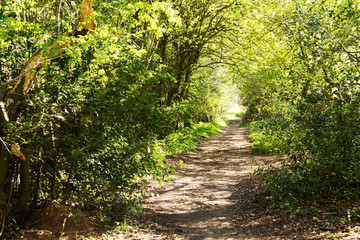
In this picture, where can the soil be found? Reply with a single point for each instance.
(56, 221)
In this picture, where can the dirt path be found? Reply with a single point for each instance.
(217, 196)
(199, 203)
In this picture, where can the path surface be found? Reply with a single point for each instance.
(199, 202)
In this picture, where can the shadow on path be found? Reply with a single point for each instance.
(198, 203)
(212, 197)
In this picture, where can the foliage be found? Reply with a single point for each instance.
(260, 56)
(185, 140)
(102, 107)
(313, 111)
(268, 140)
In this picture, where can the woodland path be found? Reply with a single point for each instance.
(210, 197)
(198, 203)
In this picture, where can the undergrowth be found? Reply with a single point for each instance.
(185, 139)
(324, 185)
(265, 139)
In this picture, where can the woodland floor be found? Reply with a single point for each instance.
(217, 196)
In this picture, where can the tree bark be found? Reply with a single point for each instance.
(4, 166)
(24, 191)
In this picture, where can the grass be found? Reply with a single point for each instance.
(185, 140)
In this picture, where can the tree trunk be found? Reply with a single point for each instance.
(4, 166)
(24, 193)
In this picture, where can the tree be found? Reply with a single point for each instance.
(12, 95)
(309, 86)
(83, 119)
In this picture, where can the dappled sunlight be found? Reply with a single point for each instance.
(198, 202)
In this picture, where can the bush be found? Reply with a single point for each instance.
(268, 140)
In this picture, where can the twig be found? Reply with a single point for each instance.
(62, 230)
(2, 107)
(25, 72)
(5, 145)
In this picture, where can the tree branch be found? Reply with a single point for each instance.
(14, 98)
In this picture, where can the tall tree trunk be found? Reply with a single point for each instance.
(24, 191)
(4, 166)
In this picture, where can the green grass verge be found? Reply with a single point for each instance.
(185, 139)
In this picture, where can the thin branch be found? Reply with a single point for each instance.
(2, 92)
(5, 145)
(3, 110)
